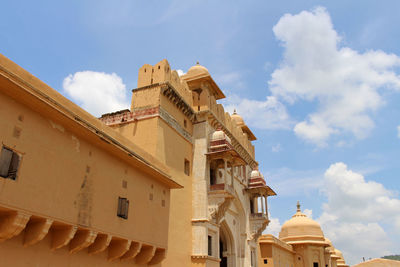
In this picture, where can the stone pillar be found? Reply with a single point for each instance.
(225, 171)
(266, 205)
(232, 174)
(262, 205)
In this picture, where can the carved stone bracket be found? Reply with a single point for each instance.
(257, 226)
(12, 224)
(146, 254)
(62, 235)
(218, 203)
(36, 230)
(117, 248)
(100, 243)
(133, 251)
(170, 92)
(82, 239)
(158, 256)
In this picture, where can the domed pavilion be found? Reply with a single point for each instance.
(301, 243)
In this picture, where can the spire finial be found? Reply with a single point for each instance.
(298, 206)
(197, 63)
(234, 111)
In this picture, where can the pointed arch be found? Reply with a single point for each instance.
(227, 245)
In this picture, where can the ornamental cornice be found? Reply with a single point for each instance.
(244, 154)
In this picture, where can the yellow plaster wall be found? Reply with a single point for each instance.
(275, 255)
(145, 98)
(168, 106)
(167, 145)
(65, 177)
(172, 150)
(143, 133)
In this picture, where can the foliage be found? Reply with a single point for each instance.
(392, 257)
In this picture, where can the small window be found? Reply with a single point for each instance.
(187, 167)
(209, 245)
(265, 261)
(315, 264)
(9, 163)
(123, 207)
(185, 123)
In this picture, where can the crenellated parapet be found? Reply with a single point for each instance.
(161, 73)
(198, 90)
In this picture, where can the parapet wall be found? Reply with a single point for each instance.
(226, 119)
(161, 72)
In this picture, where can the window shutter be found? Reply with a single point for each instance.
(5, 161)
(123, 208)
(12, 172)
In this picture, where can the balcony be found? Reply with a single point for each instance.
(258, 216)
(258, 222)
(221, 189)
(219, 198)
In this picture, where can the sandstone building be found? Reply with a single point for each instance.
(379, 263)
(173, 181)
(301, 243)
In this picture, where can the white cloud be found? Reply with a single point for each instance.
(274, 227)
(267, 114)
(276, 148)
(96, 92)
(358, 240)
(287, 182)
(233, 80)
(355, 212)
(180, 72)
(343, 82)
(308, 212)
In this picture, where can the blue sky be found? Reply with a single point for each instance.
(317, 81)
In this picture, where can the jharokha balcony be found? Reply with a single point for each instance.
(258, 192)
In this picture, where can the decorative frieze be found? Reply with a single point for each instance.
(126, 116)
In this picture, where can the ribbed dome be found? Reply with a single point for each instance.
(330, 248)
(220, 135)
(237, 118)
(300, 228)
(329, 242)
(197, 70)
(255, 174)
(338, 253)
(340, 261)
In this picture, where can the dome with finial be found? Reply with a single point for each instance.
(237, 119)
(219, 135)
(198, 70)
(301, 229)
(255, 174)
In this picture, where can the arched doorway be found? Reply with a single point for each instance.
(226, 246)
